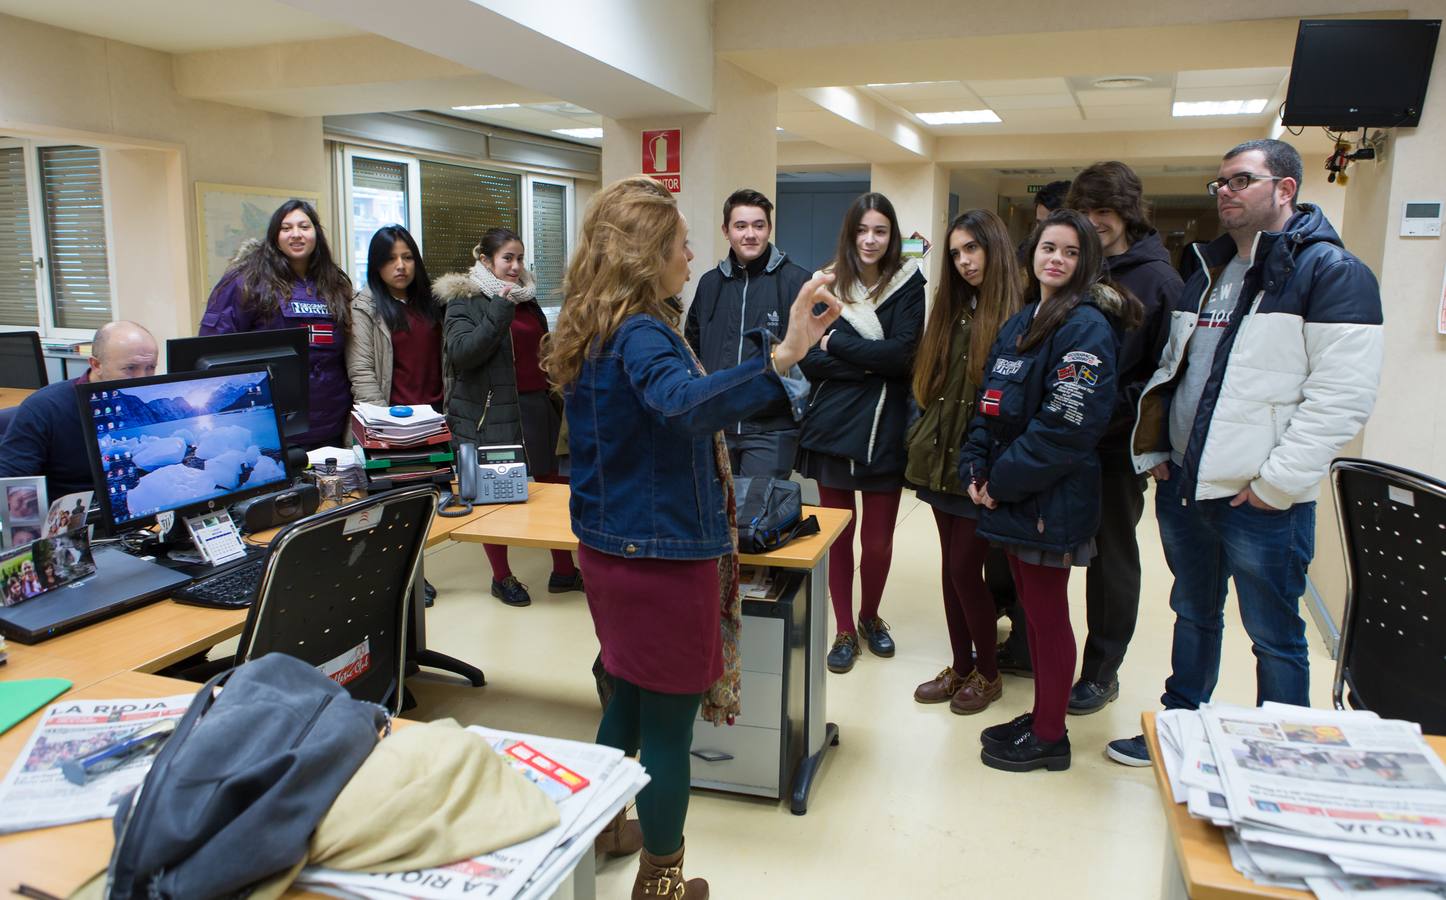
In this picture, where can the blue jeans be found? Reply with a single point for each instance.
(1209, 541)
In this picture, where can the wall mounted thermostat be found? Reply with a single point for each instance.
(1421, 218)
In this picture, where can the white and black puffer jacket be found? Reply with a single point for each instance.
(1294, 376)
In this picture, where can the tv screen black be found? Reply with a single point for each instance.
(1359, 73)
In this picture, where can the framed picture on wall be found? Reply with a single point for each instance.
(227, 214)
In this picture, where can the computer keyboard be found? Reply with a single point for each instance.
(234, 588)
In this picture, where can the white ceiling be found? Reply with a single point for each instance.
(181, 26)
(1032, 105)
(538, 118)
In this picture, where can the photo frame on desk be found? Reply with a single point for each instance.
(228, 214)
(23, 505)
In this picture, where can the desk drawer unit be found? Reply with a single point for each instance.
(756, 754)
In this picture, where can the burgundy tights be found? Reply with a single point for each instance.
(880, 512)
(1044, 594)
(968, 605)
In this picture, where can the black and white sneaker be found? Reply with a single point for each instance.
(1129, 751)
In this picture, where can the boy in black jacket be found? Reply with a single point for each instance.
(753, 287)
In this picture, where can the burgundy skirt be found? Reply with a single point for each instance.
(658, 620)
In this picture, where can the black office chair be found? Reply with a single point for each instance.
(336, 588)
(1393, 640)
(22, 363)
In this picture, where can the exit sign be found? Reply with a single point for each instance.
(1035, 188)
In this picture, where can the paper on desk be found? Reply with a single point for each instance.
(422, 414)
(36, 795)
(515, 871)
(1375, 889)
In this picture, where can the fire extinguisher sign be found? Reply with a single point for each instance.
(663, 157)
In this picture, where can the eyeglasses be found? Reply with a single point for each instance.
(1236, 183)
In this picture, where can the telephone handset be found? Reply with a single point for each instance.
(467, 470)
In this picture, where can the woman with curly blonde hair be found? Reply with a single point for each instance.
(652, 497)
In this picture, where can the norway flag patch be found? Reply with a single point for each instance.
(989, 403)
(322, 334)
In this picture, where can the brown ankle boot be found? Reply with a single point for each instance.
(622, 837)
(662, 876)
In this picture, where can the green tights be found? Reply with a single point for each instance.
(662, 725)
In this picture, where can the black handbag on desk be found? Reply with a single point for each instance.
(770, 514)
(237, 790)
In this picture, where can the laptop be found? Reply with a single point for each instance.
(121, 582)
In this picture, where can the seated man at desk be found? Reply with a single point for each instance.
(44, 437)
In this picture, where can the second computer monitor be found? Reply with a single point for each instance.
(183, 443)
(282, 350)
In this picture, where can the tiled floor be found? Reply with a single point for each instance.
(903, 807)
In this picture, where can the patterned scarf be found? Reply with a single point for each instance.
(722, 702)
(525, 289)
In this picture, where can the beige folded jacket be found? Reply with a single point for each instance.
(428, 795)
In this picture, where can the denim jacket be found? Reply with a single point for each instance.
(641, 421)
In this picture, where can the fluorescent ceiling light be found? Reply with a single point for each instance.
(959, 117)
(899, 83)
(487, 106)
(778, 128)
(1219, 107)
(579, 132)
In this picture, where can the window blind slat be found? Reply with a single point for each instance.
(17, 267)
(549, 240)
(459, 203)
(73, 199)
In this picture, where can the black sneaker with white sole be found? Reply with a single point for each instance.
(1129, 751)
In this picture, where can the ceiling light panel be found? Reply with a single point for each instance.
(1220, 108)
(483, 106)
(583, 133)
(959, 117)
(1229, 92)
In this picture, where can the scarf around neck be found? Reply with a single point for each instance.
(524, 290)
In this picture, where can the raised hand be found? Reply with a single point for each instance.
(805, 326)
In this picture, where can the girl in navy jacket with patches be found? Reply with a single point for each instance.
(1031, 463)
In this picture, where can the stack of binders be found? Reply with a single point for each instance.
(400, 450)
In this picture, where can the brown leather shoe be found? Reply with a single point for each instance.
(662, 876)
(944, 686)
(976, 694)
(622, 837)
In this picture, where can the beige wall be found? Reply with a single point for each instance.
(734, 147)
(62, 84)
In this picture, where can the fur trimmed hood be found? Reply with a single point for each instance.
(1109, 300)
(457, 285)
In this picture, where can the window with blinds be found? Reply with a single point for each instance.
(76, 261)
(378, 198)
(17, 258)
(459, 203)
(549, 240)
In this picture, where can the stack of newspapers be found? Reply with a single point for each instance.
(590, 784)
(1342, 803)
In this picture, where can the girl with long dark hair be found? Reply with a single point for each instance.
(1031, 464)
(979, 292)
(493, 334)
(289, 280)
(395, 353)
(852, 437)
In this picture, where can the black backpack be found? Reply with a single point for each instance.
(770, 514)
(237, 790)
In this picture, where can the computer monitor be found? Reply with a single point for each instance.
(283, 350)
(22, 364)
(184, 443)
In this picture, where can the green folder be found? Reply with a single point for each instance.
(19, 699)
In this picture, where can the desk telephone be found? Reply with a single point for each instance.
(490, 474)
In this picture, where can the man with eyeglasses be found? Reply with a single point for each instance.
(1271, 366)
